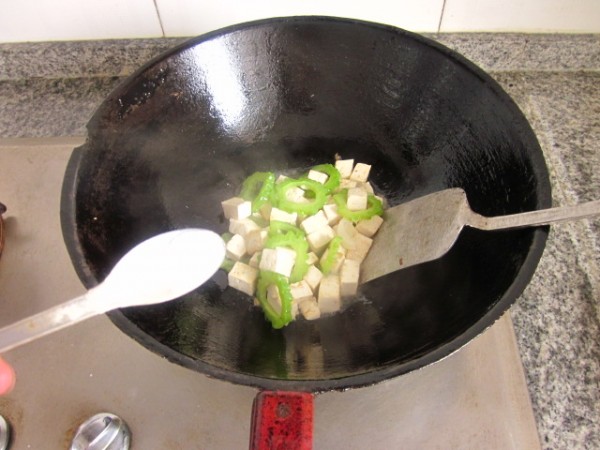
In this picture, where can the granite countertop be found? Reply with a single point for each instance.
(52, 89)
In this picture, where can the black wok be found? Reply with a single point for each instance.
(181, 134)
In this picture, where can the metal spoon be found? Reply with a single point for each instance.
(159, 269)
(424, 229)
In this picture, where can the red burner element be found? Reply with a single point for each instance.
(282, 421)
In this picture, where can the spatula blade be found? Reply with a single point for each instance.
(415, 232)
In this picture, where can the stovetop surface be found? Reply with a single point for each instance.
(475, 398)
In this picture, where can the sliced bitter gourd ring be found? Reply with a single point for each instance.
(310, 206)
(334, 177)
(285, 235)
(327, 263)
(266, 279)
(374, 207)
(258, 188)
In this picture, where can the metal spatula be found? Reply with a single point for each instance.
(424, 229)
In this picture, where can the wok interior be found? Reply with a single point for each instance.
(180, 136)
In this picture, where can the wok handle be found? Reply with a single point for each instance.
(282, 420)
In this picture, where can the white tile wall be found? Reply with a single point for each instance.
(522, 15)
(191, 17)
(42, 20)
(48, 20)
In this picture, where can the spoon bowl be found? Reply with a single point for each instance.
(157, 270)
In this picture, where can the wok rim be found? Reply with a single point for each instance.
(520, 282)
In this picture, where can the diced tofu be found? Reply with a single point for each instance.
(313, 277)
(279, 260)
(317, 176)
(329, 299)
(347, 184)
(281, 178)
(236, 208)
(235, 248)
(243, 278)
(310, 309)
(338, 259)
(255, 260)
(282, 216)
(311, 258)
(360, 172)
(295, 309)
(255, 241)
(370, 226)
(368, 187)
(265, 211)
(296, 195)
(331, 213)
(345, 229)
(300, 291)
(313, 223)
(317, 240)
(357, 199)
(242, 226)
(349, 275)
(344, 166)
(274, 299)
(361, 248)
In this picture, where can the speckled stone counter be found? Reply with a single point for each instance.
(51, 89)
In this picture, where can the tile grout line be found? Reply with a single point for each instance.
(160, 22)
(439, 27)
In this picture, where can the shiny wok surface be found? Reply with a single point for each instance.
(180, 135)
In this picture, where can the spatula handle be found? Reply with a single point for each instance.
(535, 218)
(46, 322)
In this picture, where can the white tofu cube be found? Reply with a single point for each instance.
(274, 299)
(346, 230)
(311, 258)
(338, 259)
(313, 277)
(317, 176)
(281, 178)
(370, 226)
(295, 309)
(317, 240)
(300, 291)
(242, 226)
(331, 213)
(344, 166)
(255, 241)
(255, 260)
(282, 216)
(349, 275)
(347, 184)
(360, 173)
(279, 260)
(357, 199)
(310, 309)
(235, 247)
(236, 208)
(368, 187)
(361, 248)
(313, 223)
(296, 195)
(243, 278)
(265, 211)
(329, 299)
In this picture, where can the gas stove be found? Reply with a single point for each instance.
(476, 398)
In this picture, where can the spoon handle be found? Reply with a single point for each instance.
(540, 217)
(46, 322)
